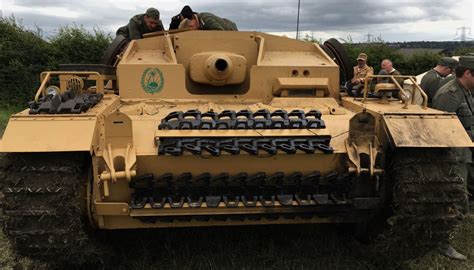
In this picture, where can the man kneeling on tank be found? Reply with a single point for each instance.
(208, 21)
(141, 24)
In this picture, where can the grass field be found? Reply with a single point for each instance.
(273, 247)
(256, 247)
(252, 247)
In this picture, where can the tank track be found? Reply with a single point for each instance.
(207, 190)
(430, 194)
(244, 119)
(42, 205)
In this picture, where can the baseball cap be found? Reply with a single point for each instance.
(362, 56)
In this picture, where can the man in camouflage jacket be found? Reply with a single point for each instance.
(141, 24)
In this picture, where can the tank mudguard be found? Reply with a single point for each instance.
(48, 134)
(426, 131)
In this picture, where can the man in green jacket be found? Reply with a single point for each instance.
(456, 96)
(388, 69)
(431, 82)
(141, 24)
(186, 13)
(208, 21)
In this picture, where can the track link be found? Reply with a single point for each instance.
(214, 189)
(224, 196)
(243, 119)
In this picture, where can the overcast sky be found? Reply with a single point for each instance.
(401, 20)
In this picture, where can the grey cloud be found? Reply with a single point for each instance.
(334, 15)
(270, 16)
(44, 3)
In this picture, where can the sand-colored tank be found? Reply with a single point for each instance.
(205, 128)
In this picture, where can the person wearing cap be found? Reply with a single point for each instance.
(449, 78)
(208, 21)
(186, 13)
(456, 96)
(361, 72)
(141, 24)
(432, 80)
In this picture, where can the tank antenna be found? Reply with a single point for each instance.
(298, 21)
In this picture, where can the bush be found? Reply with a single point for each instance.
(463, 50)
(77, 45)
(376, 53)
(25, 54)
(418, 63)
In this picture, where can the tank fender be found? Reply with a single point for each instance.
(49, 134)
(425, 131)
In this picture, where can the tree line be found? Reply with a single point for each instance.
(412, 65)
(409, 65)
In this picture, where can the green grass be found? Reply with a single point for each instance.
(254, 247)
(268, 247)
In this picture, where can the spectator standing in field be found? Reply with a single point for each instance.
(456, 96)
(432, 80)
(449, 78)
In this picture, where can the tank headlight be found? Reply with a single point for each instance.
(405, 96)
(52, 91)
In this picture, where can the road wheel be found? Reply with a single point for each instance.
(115, 48)
(340, 56)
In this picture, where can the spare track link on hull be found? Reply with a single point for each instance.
(251, 145)
(42, 197)
(244, 119)
(288, 190)
(65, 103)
